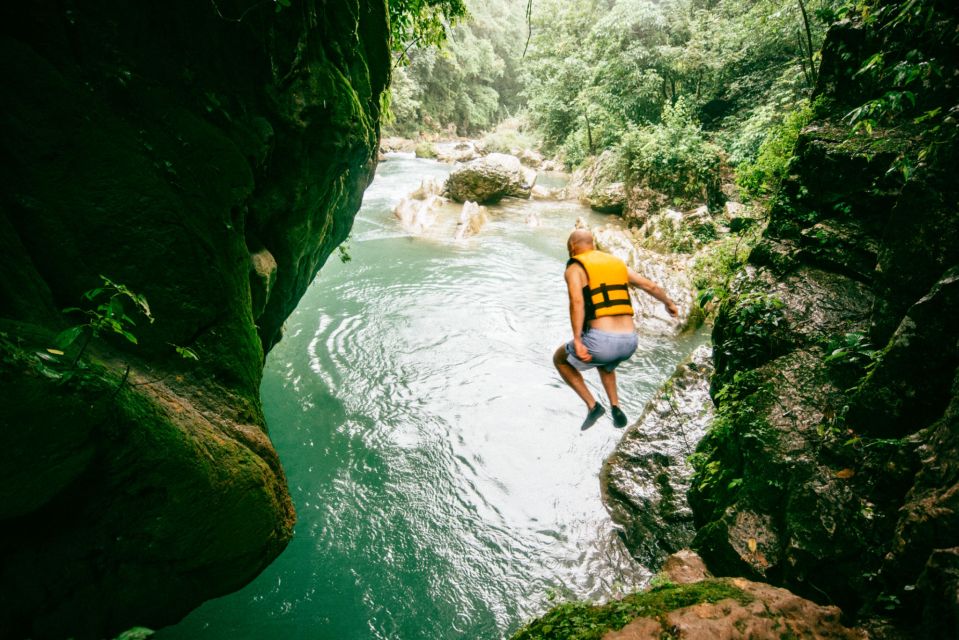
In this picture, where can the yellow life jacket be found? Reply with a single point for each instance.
(607, 293)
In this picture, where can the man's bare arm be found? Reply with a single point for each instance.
(654, 290)
(575, 280)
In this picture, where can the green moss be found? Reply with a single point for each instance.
(584, 621)
(738, 434)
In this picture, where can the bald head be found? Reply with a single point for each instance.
(579, 241)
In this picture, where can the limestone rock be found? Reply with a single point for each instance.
(685, 566)
(540, 192)
(416, 216)
(600, 185)
(645, 480)
(489, 179)
(262, 276)
(472, 219)
(833, 471)
(394, 144)
(428, 187)
(670, 271)
(938, 587)
(457, 151)
(610, 198)
(531, 158)
(698, 607)
(673, 231)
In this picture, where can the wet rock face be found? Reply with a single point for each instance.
(830, 465)
(209, 156)
(646, 478)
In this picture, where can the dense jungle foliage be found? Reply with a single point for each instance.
(635, 75)
(468, 83)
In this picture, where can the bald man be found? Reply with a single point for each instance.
(601, 316)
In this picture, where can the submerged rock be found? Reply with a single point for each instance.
(489, 179)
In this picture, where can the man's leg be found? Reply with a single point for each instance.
(609, 384)
(572, 377)
(608, 378)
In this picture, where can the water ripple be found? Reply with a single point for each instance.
(442, 484)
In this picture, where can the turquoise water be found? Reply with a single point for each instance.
(442, 485)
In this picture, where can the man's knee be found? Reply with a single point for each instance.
(559, 356)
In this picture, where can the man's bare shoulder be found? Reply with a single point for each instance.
(575, 272)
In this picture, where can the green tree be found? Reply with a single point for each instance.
(421, 22)
(470, 81)
(598, 68)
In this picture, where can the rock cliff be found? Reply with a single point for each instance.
(207, 156)
(830, 462)
(831, 465)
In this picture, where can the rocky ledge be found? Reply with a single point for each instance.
(645, 480)
(688, 603)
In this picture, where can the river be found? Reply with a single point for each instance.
(442, 484)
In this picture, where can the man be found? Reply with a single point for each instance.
(601, 315)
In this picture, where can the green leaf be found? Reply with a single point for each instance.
(93, 293)
(67, 337)
(129, 336)
(186, 353)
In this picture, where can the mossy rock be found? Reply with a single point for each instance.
(164, 155)
(583, 621)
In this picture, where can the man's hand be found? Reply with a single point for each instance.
(581, 351)
(671, 308)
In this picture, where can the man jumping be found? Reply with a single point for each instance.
(601, 315)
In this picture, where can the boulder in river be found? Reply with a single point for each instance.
(489, 179)
(539, 192)
(456, 151)
(428, 187)
(395, 144)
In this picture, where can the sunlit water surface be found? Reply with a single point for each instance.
(442, 484)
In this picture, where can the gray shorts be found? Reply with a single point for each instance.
(608, 349)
